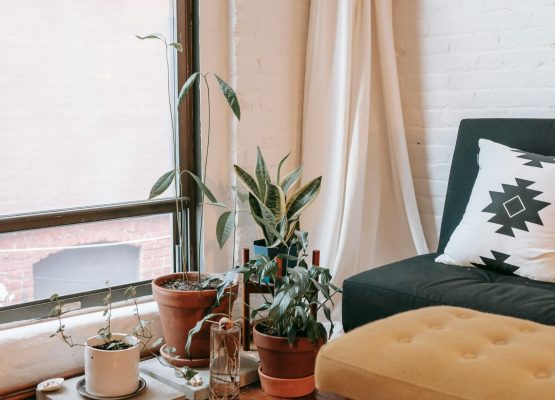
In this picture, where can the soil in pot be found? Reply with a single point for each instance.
(180, 309)
(279, 360)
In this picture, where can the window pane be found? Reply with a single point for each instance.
(67, 259)
(84, 116)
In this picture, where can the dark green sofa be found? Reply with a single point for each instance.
(420, 282)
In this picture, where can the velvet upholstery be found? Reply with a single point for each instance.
(441, 353)
(420, 282)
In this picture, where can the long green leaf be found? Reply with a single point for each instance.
(177, 46)
(230, 96)
(261, 172)
(224, 227)
(158, 36)
(275, 200)
(187, 86)
(279, 167)
(264, 217)
(196, 329)
(161, 184)
(203, 187)
(247, 180)
(291, 179)
(303, 197)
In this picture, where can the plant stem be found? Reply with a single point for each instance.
(109, 312)
(205, 167)
(177, 175)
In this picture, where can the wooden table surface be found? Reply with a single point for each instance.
(253, 392)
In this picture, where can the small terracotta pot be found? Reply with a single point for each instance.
(279, 360)
(288, 388)
(179, 313)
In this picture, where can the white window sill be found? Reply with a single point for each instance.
(29, 355)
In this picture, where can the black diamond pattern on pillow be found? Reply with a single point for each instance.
(535, 160)
(497, 263)
(515, 206)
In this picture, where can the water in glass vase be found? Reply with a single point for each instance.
(225, 345)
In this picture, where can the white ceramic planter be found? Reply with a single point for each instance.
(112, 373)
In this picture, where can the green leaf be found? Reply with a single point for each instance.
(186, 87)
(224, 227)
(291, 179)
(256, 213)
(302, 198)
(261, 172)
(247, 180)
(230, 96)
(158, 36)
(203, 187)
(264, 216)
(54, 297)
(161, 184)
(279, 167)
(275, 200)
(196, 329)
(176, 45)
(291, 335)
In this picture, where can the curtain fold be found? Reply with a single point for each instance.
(353, 135)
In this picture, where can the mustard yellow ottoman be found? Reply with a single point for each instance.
(441, 353)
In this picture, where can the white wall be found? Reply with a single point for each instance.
(468, 59)
(259, 48)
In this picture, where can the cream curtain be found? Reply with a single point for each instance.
(353, 135)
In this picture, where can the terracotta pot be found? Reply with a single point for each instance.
(179, 313)
(112, 373)
(279, 360)
(288, 388)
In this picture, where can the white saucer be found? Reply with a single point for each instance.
(82, 389)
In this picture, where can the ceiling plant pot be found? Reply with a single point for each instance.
(179, 313)
(285, 370)
(112, 373)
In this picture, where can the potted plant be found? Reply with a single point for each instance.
(289, 336)
(185, 298)
(276, 207)
(111, 359)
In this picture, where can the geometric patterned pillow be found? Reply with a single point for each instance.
(509, 222)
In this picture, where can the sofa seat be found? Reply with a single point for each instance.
(441, 353)
(420, 282)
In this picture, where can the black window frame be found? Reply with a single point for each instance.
(186, 15)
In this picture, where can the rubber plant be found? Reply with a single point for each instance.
(187, 297)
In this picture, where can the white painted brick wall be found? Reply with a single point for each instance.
(467, 59)
(263, 50)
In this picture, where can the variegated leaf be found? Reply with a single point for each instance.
(302, 198)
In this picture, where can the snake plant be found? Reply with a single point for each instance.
(275, 206)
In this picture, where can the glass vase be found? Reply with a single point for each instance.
(225, 345)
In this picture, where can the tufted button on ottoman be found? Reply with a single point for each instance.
(441, 353)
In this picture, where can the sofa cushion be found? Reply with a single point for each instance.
(441, 353)
(509, 223)
(420, 282)
(531, 135)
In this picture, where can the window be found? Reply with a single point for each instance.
(84, 133)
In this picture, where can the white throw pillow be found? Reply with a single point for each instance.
(509, 222)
